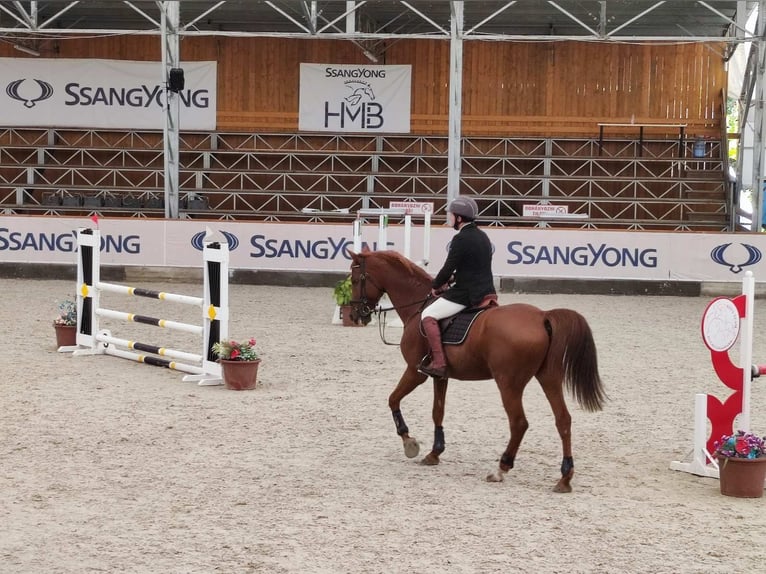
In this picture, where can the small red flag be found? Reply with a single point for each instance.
(94, 218)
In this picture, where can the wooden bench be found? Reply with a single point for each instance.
(681, 134)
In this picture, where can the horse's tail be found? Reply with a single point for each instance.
(573, 349)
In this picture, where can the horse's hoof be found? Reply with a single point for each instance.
(411, 447)
(563, 484)
(497, 476)
(562, 487)
(430, 460)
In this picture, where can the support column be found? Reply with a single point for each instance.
(759, 123)
(455, 100)
(171, 19)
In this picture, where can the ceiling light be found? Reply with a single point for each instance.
(370, 56)
(30, 51)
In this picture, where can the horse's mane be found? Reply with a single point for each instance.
(399, 261)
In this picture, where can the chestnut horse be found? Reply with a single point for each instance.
(509, 343)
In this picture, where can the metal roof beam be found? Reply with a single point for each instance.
(29, 17)
(58, 14)
(490, 17)
(343, 16)
(310, 13)
(411, 19)
(635, 18)
(573, 18)
(426, 18)
(96, 32)
(201, 16)
(144, 14)
(23, 21)
(722, 15)
(286, 15)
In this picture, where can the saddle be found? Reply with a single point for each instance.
(455, 329)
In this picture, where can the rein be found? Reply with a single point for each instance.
(365, 310)
(421, 302)
(383, 311)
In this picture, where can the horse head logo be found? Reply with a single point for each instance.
(359, 90)
(12, 89)
(753, 256)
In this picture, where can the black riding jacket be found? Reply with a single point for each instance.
(470, 262)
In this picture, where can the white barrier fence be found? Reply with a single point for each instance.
(214, 309)
(408, 210)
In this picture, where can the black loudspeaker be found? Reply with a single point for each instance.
(176, 80)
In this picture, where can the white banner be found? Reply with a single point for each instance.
(545, 210)
(354, 98)
(519, 253)
(102, 94)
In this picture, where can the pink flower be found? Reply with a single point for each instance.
(234, 353)
(742, 447)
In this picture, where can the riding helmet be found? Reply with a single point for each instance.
(465, 207)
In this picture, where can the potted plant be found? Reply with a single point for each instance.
(342, 295)
(65, 324)
(741, 464)
(239, 363)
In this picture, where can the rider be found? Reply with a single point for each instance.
(469, 264)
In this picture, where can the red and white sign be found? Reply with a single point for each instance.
(545, 210)
(412, 207)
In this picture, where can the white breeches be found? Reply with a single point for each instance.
(441, 308)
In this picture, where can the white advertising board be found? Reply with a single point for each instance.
(354, 98)
(122, 94)
(521, 253)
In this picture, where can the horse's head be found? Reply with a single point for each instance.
(365, 290)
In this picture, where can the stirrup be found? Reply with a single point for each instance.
(427, 369)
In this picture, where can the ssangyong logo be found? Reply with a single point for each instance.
(198, 240)
(12, 89)
(750, 256)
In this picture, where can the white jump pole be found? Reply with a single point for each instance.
(427, 239)
(214, 306)
(382, 232)
(407, 236)
(702, 462)
(357, 236)
(746, 348)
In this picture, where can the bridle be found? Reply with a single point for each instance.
(363, 306)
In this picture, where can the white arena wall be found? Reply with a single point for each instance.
(524, 256)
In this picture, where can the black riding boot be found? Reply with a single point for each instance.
(438, 365)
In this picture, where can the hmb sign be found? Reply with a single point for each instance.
(353, 98)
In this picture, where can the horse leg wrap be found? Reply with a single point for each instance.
(439, 445)
(401, 426)
(567, 464)
(506, 460)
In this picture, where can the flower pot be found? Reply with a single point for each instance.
(66, 335)
(742, 477)
(345, 316)
(239, 375)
